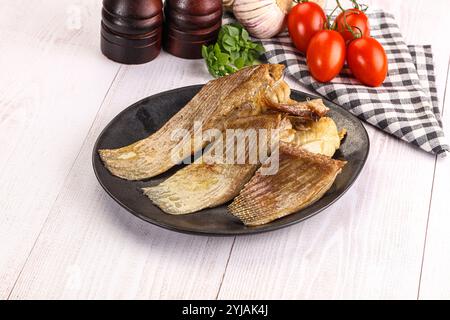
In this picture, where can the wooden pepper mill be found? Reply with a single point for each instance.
(190, 24)
(131, 30)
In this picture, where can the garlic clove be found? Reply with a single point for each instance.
(251, 7)
(249, 15)
(270, 26)
(284, 5)
(262, 18)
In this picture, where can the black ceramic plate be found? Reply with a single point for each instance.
(146, 116)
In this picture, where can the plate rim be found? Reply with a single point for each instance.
(249, 230)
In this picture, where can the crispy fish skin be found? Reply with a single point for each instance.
(302, 179)
(278, 99)
(152, 156)
(202, 185)
(308, 110)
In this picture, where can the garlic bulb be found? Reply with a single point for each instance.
(262, 18)
(228, 4)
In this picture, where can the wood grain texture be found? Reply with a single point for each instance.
(435, 281)
(370, 243)
(61, 236)
(367, 245)
(52, 84)
(419, 20)
(92, 248)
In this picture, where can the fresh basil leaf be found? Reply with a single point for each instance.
(230, 69)
(239, 63)
(229, 40)
(233, 31)
(223, 58)
(217, 49)
(245, 35)
(260, 49)
(232, 51)
(229, 45)
(234, 55)
(244, 56)
(205, 52)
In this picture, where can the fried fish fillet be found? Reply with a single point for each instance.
(307, 110)
(320, 137)
(152, 156)
(210, 182)
(278, 99)
(302, 179)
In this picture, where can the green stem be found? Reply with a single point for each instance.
(360, 6)
(340, 6)
(355, 4)
(329, 26)
(346, 25)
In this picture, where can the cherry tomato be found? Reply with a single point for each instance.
(326, 55)
(367, 60)
(357, 20)
(304, 20)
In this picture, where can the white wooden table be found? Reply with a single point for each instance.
(61, 236)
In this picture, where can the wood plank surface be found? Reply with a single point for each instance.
(92, 248)
(62, 237)
(52, 82)
(370, 243)
(435, 281)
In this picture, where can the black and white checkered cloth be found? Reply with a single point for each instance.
(406, 105)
